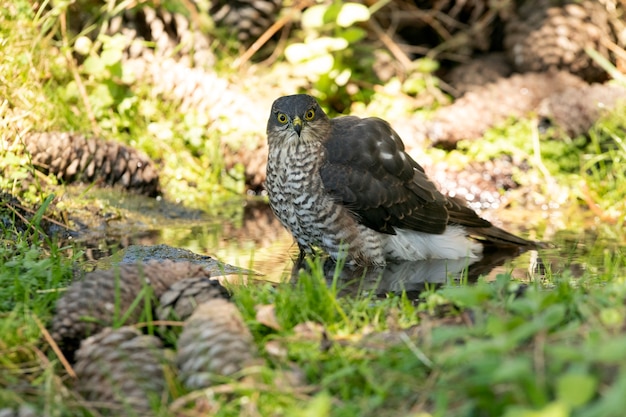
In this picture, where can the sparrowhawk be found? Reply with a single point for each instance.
(346, 186)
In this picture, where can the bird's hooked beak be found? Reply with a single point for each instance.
(297, 125)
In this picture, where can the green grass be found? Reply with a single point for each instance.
(557, 346)
(31, 279)
(463, 350)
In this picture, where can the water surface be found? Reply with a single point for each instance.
(245, 233)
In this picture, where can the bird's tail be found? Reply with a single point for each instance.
(495, 236)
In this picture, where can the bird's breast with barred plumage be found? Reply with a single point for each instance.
(298, 199)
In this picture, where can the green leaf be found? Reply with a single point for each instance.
(514, 369)
(612, 316)
(565, 353)
(297, 52)
(318, 406)
(467, 296)
(353, 34)
(425, 65)
(550, 318)
(576, 389)
(555, 409)
(117, 42)
(111, 57)
(554, 315)
(314, 54)
(319, 65)
(94, 65)
(100, 98)
(414, 85)
(42, 209)
(327, 44)
(610, 350)
(351, 13)
(70, 92)
(343, 77)
(313, 17)
(127, 105)
(330, 16)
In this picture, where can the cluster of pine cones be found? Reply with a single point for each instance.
(545, 42)
(519, 57)
(121, 370)
(535, 36)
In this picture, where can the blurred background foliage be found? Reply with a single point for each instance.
(74, 67)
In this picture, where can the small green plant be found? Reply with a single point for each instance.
(331, 55)
(603, 173)
(107, 83)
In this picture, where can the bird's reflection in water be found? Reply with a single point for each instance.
(414, 276)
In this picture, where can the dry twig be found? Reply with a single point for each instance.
(55, 348)
(245, 57)
(79, 82)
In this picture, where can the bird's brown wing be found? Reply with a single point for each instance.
(367, 170)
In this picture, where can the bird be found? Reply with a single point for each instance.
(346, 186)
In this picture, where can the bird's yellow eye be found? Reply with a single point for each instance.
(310, 114)
(282, 118)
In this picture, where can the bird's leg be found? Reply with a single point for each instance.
(299, 263)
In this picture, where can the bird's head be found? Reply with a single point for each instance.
(297, 118)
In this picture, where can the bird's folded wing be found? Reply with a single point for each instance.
(366, 169)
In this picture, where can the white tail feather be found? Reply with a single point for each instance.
(408, 245)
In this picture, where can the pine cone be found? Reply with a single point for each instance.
(575, 110)
(553, 34)
(182, 298)
(214, 342)
(479, 71)
(90, 304)
(485, 107)
(248, 18)
(121, 369)
(73, 157)
(172, 35)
